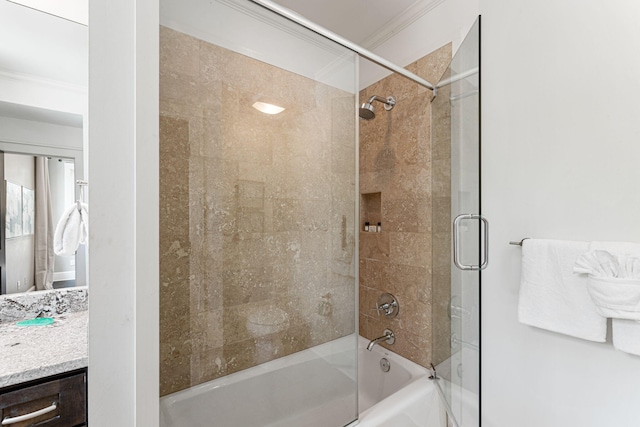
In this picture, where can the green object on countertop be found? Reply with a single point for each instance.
(38, 321)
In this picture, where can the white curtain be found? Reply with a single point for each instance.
(44, 255)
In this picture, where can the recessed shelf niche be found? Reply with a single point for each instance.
(370, 209)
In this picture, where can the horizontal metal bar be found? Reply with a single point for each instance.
(299, 19)
(457, 77)
(516, 243)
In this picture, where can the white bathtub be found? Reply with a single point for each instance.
(277, 393)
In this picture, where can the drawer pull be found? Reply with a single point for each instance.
(13, 420)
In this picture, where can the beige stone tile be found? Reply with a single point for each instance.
(441, 182)
(344, 324)
(376, 182)
(211, 140)
(410, 181)
(175, 375)
(410, 248)
(375, 246)
(368, 297)
(412, 347)
(178, 110)
(441, 215)
(371, 273)
(432, 66)
(366, 326)
(189, 90)
(179, 53)
(206, 286)
(247, 285)
(206, 330)
(407, 282)
(342, 252)
(234, 324)
(212, 61)
(411, 215)
(207, 365)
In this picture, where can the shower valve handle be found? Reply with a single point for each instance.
(384, 307)
(388, 305)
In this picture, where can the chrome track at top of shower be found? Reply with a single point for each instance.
(299, 19)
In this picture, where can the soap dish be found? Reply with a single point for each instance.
(38, 321)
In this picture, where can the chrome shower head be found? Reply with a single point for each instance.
(367, 111)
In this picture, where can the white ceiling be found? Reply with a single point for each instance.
(359, 21)
(42, 45)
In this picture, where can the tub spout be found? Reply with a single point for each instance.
(389, 337)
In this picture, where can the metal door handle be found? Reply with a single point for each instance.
(456, 242)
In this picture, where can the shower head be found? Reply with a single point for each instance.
(367, 111)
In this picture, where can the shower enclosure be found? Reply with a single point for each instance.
(259, 221)
(258, 142)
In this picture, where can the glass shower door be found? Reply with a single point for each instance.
(258, 252)
(456, 117)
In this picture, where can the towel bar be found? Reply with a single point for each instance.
(519, 243)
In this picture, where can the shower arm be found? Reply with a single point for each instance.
(388, 102)
(378, 98)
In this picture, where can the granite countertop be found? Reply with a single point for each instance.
(30, 353)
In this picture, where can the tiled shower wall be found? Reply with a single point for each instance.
(257, 211)
(404, 184)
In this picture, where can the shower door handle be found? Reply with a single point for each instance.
(485, 242)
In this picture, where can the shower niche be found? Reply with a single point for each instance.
(370, 212)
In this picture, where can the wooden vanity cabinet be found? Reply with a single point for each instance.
(59, 401)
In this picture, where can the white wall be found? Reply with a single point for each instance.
(561, 159)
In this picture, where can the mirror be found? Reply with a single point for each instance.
(38, 192)
(43, 115)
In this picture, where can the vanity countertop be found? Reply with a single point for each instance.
(34, 352)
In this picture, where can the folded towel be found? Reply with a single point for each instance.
(551, 296)
(72, 230)
(597, 263)
(626, 335)
(615, 297)
(603, 263)
(613, 281)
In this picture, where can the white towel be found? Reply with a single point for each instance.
(615, 297)
(72, 230)
(551, 296)
(626, 333)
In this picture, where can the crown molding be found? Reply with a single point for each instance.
(42, 81)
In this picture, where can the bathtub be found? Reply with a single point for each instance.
(276, 393)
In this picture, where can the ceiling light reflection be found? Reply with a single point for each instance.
(267, 108)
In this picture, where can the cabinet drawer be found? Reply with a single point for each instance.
(56, 403)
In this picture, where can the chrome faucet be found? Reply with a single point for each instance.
(389, 337)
